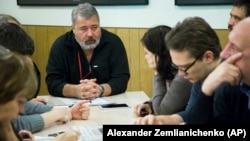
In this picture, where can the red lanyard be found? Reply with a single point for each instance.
(80, 68)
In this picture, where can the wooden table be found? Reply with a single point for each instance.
(99, 116)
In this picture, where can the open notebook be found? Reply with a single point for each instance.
(90, 132)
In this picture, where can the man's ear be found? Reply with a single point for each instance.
(209, 56)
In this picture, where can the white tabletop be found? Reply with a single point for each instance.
(100, 116)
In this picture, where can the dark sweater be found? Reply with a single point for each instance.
(228, 105)
(109, 63)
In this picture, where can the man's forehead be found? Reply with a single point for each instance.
(180, 57)
(239, 12)
(183, 53)
(240, 33)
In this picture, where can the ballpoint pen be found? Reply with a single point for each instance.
(66, 117)
(56, 134)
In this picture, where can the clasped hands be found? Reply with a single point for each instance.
(88, 89)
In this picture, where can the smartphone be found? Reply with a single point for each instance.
(114, 105)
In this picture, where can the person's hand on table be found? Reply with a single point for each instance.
(38, 100)
(148, 120)
(142, 110)
(65, 114)
(70, 135)
(26, 135)
(80, 110)
(88, 89)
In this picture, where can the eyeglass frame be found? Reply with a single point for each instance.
(189, 66)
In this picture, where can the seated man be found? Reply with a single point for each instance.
(233, 104)
(88, 61)
(240, 10)
(194, 48)
(35, 116)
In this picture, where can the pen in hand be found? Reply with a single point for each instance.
(67, 120)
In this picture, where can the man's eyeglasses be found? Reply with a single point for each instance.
(189, 66)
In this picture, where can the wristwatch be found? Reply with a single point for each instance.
(102, 89)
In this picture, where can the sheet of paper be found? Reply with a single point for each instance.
(100, 101)
(60, 101)
(90, 132)
(39, 138)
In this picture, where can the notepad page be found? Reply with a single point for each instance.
(89, 132)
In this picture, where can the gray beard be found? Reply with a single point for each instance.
(87, 47)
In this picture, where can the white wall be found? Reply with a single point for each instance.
(157, 12)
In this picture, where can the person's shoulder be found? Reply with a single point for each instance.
(63, 40)
(111, 39)
(181, 79)
(64, 37)
(178, 77)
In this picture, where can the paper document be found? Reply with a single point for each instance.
(39, 138)
(90, 132)
(100, 101)
(59, 101)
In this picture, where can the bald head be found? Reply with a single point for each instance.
(240, 34)
(239, 42)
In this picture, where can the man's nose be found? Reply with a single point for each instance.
(89, 32)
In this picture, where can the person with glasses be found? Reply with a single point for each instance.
(185, 69)
(171, 91)
(88, 61)
(194, 48)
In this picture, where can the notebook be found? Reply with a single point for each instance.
(100, 101)
(90, 132)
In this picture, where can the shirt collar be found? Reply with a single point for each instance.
(246, 90)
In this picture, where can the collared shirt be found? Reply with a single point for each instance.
(246, 90)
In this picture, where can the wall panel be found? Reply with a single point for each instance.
(141, 75)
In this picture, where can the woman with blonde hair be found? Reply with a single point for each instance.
(18, 83)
